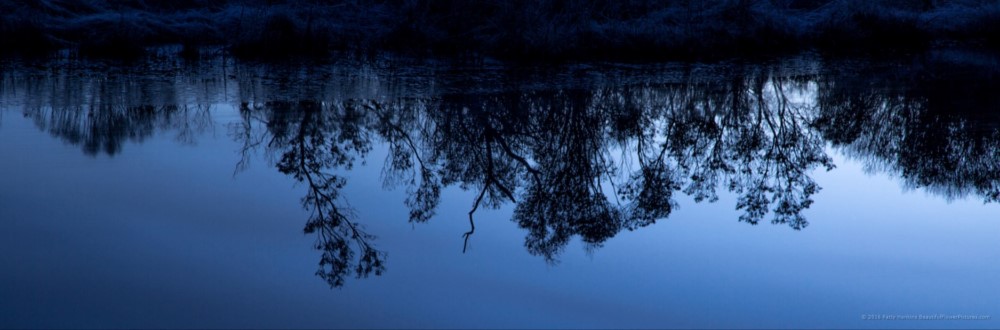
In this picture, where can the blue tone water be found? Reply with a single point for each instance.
(799, 193)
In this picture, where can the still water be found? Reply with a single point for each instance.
(395, 192)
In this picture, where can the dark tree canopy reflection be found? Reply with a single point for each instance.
(576, 160)
(936, 128)
(101, 109)
(313, 140)
(550, 152)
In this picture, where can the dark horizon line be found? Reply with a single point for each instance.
(550, 30)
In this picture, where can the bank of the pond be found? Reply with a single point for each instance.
(520, 30)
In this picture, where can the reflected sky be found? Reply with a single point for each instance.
(133, 211)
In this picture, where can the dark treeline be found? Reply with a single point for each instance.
(578, 161)
(518, 29)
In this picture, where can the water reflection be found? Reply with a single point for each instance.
(580, 159)
(936, 127)
(314, 140)
(100, 112)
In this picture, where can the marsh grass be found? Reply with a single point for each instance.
(641, 30)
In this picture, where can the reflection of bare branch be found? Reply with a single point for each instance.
(245, 132)
(424, 199)
(506, 148)
(191, 121)
(472, 223)
(314, 140)
(335, 228)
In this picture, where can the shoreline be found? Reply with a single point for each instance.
(544, 31)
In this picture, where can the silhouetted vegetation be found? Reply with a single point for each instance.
(549, 151)
(577, 159)
(314, 141)
(520, 29)
(83, 106)
(937, 128)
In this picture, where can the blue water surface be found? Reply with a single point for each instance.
(130, 199)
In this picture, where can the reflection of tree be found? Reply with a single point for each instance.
(577, 162)
(105, 128)
(566, 198)
(101, 115)
(935, 128)
(751, 135)
(549, 153)
(314, 140)
(399, 125)
(544, 151)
